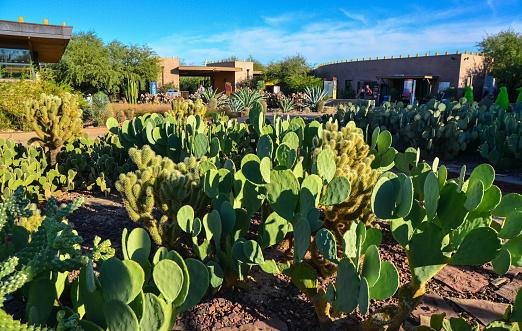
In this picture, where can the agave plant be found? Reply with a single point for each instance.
(209, 94)
(247, 97)
(236, 105)
(286, 104)
(314, 96)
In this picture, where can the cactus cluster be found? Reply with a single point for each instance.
(181, 108)
(439, 221)
(30, 167)
(42, 259)
(500, 135)
(96, 162)
(162, 183)
(130, 90)
(180, 139)
(349, 155)
(56, 121)
(444, 128)
(436, 128)
(120, 297)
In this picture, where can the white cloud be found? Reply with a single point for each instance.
(353, 16)
(324, 41)
(277, 19)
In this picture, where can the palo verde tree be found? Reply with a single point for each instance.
(504, 52)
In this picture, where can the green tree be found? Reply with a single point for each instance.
(290, 73)
(139, 62)
(298, 82)
(90, 65)
(258, 66)
(86, 65)
(191, 84)
(504, 52)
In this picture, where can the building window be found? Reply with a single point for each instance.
(15, 63)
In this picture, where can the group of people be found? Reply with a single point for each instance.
(365, 93)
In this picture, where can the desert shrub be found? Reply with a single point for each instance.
(165, 87)
(14, 93)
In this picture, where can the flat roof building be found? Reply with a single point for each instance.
(25, 44)
(387, 76)
(220, 73)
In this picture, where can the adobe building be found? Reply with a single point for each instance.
(387, 76)
(23, 44)
(220, 73)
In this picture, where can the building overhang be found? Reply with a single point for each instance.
(204, 70)
(408, 77)
(49, 41)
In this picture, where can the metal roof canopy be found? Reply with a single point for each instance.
(407, 77)
(49, 41)
(204, 70)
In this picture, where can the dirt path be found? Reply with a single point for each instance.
(23, 137)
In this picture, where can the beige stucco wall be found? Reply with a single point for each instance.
(170, 71)
(453, 68)
(233, 77)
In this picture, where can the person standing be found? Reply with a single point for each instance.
(368, 93)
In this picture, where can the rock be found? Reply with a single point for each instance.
(274, 324)
(509, 291)
(433, 304)
(461, 281)
(484, 311)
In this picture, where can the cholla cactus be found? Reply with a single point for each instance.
(56, 121)
(353, 162)
(54, 248)
(31, 223)
(182, 109)
(41, 253)
(161, 182)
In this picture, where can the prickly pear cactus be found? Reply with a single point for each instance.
(56, 121)
(162, 183)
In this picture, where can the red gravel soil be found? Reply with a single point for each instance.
(266, 296)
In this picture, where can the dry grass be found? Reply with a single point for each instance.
(141, 109)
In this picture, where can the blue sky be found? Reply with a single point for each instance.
(321, 31)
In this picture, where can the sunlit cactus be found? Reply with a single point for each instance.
(352, 161)
(56, 121)
(161, 183)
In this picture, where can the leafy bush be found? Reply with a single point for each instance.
(165, 87)
(299, 82)
(14, 93)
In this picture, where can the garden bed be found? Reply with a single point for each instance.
(273, 298)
